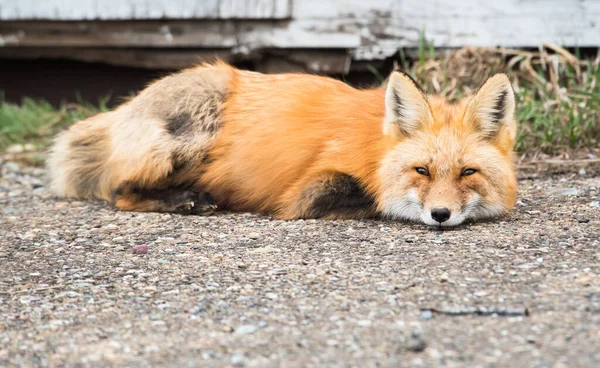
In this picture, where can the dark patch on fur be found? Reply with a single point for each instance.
(500, 107)
(340, 195)
(398, 108)
(177, 199)
(121, 190)
(180, 125)
(82, 142)
(399, 111)
(213, 116)
(181, 164)
(205, 118)
(178, 163)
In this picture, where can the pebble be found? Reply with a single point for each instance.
(595, 204)
(246, 330)
(444, 277)
(415, 343)
(237, 359)
(140, 249)
(364, 323)
(426, 315)
(272, 296)
(15, 148)
(169, 251)
(563, 191)
(197, 309)
(254, 236)
(29, 147)
(12, 167)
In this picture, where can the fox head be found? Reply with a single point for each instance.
(448, 163)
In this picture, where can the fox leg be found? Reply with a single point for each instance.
(130, 197)
(331, 195)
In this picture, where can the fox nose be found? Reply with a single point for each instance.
(440, 214)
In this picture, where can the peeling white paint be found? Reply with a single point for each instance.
(372, 29)
(143, 9)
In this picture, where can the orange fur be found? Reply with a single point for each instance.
(298, 146)
(280, 132)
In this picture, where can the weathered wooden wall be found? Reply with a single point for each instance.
(173, 33)
(143, 9)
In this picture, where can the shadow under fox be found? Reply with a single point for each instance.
(295, 146)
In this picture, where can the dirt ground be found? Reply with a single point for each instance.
(247, 290)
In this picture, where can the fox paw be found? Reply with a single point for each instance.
(195, 203)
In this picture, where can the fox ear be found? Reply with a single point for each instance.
(492, 109)
(406, 107)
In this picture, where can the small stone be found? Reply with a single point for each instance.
(198, 309)
(426, 315)
(246, 330)
(237, 359)
(15, 148)
(364, 323)
(163, 261)
(140, 249)
(531, 339)
(595, 204)
(169, 251)
(278, 271)
(415, 343)
(207, 355)
(254, 236)
(582, 172)
(564, 191)
(444, 277)
(29, 147)
(12, 167)
(272, 296)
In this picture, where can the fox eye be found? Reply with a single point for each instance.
(468, 172)
(422, 171)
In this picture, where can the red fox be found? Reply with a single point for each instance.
(296, 146)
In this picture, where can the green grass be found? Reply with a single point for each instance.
(36, 121)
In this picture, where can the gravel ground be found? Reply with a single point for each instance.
(247, 290)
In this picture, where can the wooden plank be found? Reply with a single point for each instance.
(272, 61)
(207, 33)
(157, 34)
(143, 9)
(145, 58)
